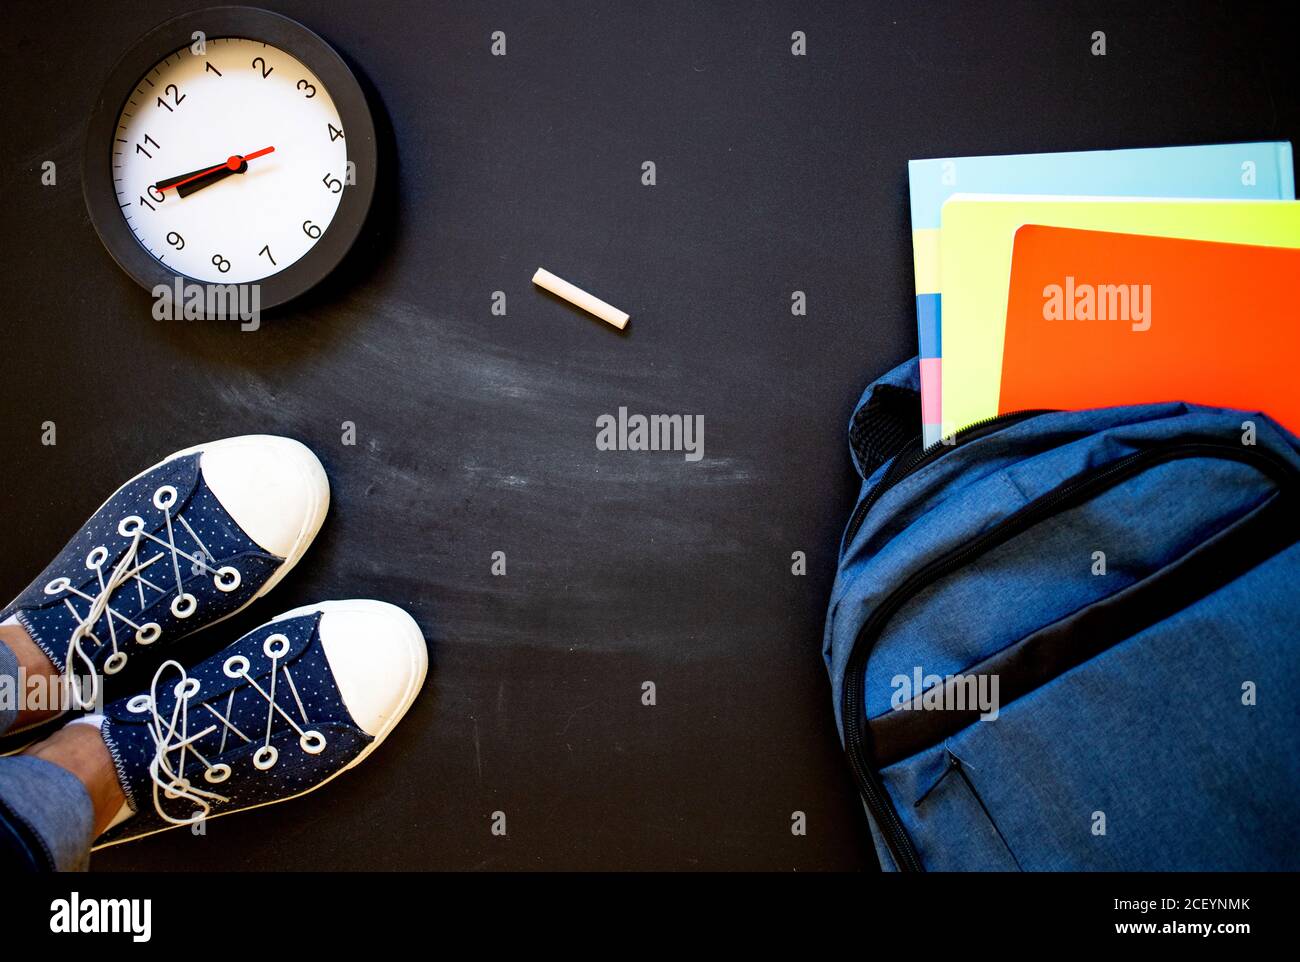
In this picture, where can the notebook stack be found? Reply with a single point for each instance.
(1104, 278)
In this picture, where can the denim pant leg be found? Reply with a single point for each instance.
(46, 818)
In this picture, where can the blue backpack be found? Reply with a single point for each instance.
(1071, 640)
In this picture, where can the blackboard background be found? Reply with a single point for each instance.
(476, 433)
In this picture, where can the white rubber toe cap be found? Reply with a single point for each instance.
(274, 488)
(377, 655)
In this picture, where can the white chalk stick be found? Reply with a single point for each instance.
(577, 296)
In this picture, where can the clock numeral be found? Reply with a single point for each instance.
(335, 133)
(220, 263)
(139, 149)
(267, 251)
(260, 64)
(304, 85)
(156, 195)
(208, 66)
(310, 229)
(176, 240)
(333, 184)
(176, 95)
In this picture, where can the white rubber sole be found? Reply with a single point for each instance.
(417, 651)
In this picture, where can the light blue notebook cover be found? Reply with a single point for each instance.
(1259, 171)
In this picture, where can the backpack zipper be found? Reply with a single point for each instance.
(900, 467)
(1075, 491)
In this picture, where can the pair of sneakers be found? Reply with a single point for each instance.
(187, 543)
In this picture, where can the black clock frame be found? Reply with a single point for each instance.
(274, 30)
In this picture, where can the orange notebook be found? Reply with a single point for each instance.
(1096, 319)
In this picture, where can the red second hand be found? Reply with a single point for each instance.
(233, 162)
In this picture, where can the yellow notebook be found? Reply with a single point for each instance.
(975, 260)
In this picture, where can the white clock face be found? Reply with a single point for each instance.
(229, 165)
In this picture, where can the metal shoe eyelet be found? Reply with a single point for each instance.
(148, 633)
(265, 757)
(115, 663)
(164, 497)
(139, 704)
(95, 560)
(236, 666)
(184, 605)
(130, 526)
(57, 586)
(187, 688)
(227, 578)
(176, 787)
(275, 646)
(312, 742)
(217, 774)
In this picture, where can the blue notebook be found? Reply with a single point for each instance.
(1258, 171)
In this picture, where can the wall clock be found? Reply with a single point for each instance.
(248, 159)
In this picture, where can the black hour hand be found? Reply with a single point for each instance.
(196, 180)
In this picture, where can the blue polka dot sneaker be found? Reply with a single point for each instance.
(192, 540)
(277, 714)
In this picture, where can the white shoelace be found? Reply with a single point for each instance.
(171, 736)
(225, 579)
